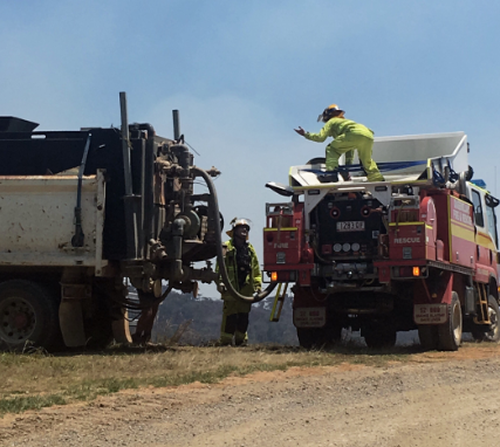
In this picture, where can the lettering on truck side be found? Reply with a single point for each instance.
(407, 240)
(461, 212)
(281, 245)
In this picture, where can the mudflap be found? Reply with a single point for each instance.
(431, 297)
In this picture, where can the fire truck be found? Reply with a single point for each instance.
(418, 250)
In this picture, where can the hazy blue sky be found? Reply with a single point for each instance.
(244, 74)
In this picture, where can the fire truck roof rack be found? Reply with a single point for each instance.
(401, 159)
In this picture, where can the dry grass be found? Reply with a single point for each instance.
(32, 381)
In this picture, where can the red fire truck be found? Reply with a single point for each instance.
(416, 251)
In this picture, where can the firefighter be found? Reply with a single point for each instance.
(348, 135)
(244, 273)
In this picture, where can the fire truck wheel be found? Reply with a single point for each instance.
(29, 315)
(429, 336)
(308, 337)
(380, 336)
(450, 333)
(491, 332)
(318, 338)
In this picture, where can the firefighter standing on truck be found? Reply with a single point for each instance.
(244, 273)
(348, 135)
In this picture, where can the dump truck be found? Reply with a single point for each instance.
(418, 250)
(86, 213)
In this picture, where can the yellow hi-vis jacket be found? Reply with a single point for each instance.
(253, 281)
(339, 126)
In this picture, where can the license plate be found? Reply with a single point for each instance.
(309, 317)
(430, 313)
(351, 225)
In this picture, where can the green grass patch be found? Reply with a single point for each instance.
(19, 404)
(34, 381)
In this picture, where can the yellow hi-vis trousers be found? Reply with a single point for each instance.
(348, 142)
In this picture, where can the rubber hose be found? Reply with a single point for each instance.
(220, 257)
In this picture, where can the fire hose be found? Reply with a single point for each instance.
(258, 296)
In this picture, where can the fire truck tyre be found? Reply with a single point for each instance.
(429, 337)
(311, 338)
(450, 333)
(490, 332)
(379, 337)
(318, 338)
(28, 316)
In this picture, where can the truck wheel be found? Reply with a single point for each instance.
(28, 315)
(311, 338)
(98, 328)
(323, 337)
(450, 333)
(491, 332)
(429, 336)
(379, 337)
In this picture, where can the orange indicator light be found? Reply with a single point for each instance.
(416, 271)
(274, 276)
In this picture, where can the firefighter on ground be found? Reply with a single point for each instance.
(348, 135)
(244, 273)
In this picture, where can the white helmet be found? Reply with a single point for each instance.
(236, 222)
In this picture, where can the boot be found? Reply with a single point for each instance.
(344, 172)
(331, 177)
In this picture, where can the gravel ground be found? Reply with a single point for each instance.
(434, 399)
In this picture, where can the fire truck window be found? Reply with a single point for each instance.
(492, 224)
(478, 209)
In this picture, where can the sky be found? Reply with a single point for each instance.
(244, 74)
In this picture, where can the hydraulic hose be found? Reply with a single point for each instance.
(214, 210)
(78, 238)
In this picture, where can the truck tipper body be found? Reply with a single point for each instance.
(418, 250)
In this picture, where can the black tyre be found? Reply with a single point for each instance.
(28, 316)
(450, 333)
(310, 338)
(98, 327)
(490, 332)
(318, 338)
(98, 321)
(429, 336)
(380, 337)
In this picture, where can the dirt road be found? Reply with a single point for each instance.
(433, 399)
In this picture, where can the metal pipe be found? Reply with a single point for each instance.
(177, 126)
(177, 236)
(125, 145)
(131, 223)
